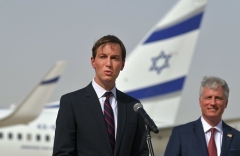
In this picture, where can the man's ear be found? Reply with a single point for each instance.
(226, 103)
(123, 64)
(199, 101)
(93, 62)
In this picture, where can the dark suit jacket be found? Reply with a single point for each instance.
(81, 129)
(189, 140)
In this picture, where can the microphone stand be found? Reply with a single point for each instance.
(149, 142)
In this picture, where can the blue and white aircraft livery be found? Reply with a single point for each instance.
(159, 64)
(155, 74)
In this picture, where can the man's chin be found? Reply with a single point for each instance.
(213, 117)
(108, 81)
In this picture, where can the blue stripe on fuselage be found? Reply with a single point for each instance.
(159, 89)
(50, 81)
(53, 106)
(175, 30)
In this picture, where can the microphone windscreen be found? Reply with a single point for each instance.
(137, 106)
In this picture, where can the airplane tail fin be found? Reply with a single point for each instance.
(34, 102)
(156, 70)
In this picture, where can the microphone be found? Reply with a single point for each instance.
(138, 107)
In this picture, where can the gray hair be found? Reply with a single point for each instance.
(213, 82)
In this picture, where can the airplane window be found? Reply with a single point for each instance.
(47, 138)
(38, 137)
(29, 137)
(19, 136)
(1, 135)
(10, 136)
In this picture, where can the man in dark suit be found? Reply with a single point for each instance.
(84, 115)
(195, 138)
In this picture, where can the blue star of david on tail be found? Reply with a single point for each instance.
(157, 65)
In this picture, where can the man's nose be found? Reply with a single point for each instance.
(213, 101)
(108, 62)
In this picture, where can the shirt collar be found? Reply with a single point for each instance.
(206, 126)
(101, 91)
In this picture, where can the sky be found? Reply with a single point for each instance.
(35, 34)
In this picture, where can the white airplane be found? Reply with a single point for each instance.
(155, 73)
(27, 128)
(157, 68)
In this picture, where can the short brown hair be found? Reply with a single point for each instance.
(108, 39)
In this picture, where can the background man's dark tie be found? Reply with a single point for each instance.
(109, 119)
(212, 149)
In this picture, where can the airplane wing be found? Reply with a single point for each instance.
(34, 102)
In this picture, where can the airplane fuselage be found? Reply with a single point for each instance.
(35, 138)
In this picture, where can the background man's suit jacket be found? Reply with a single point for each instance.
(189, 140)
(81, 129)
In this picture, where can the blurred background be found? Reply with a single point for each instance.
(35, 34)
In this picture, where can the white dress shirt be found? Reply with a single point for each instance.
(113, 101)
(218, 134)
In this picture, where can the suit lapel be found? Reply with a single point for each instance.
(96, 111)
(226, 139)
(122, 114)
(200, 137)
